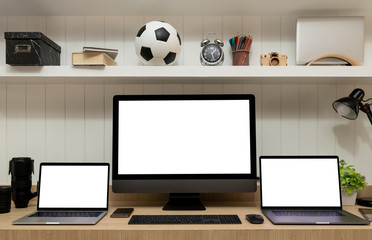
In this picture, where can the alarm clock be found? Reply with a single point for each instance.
(211, 53)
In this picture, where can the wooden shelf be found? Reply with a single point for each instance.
(185, 74)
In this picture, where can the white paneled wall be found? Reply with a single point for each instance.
(73, 122)
(68, 122)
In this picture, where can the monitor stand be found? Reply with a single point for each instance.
(184, 202)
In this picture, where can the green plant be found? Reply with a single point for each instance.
(350, 179)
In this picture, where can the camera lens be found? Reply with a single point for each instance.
(5, 198)
(274, 61)
(21, 170)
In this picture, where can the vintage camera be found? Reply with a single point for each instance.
(273, 59)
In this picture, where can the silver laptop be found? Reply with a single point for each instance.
(316, 36)
(303, 190)
(70, 193)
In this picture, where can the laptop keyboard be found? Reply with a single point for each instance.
(66, 214)
(307, 213)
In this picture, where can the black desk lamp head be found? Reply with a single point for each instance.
(348, 107)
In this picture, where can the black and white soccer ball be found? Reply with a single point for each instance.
(158, 43)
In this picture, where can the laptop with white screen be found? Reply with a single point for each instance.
(303, 190)
(70, 193)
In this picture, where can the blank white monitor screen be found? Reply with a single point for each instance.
(300, 182)
(184, 137)
(73, 186)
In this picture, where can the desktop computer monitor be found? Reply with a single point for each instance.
(184, 145)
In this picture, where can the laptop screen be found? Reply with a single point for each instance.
(300, 182)
(75, 186)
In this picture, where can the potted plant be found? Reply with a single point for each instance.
(350, 182)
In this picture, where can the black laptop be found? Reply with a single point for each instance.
(303, 190)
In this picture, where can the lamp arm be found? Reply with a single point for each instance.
(369, 99)
(367, 109)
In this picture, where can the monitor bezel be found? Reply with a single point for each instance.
(118, 98)
(261, 158)
(74, 164)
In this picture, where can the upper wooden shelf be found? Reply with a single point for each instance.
(181, 7)
(185, 74)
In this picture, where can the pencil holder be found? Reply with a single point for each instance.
(240, 57)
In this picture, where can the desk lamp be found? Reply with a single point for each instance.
(348, 107)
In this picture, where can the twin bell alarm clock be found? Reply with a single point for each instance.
(211, 53)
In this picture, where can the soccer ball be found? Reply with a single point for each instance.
(158, 43)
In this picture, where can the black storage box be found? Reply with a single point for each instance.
(30, 49)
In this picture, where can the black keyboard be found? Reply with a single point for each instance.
(307, 213)
(185, 219)
(66, 214)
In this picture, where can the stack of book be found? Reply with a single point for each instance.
(93, 56)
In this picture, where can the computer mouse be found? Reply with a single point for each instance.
(254, 218)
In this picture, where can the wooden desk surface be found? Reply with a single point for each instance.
(118, 228)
